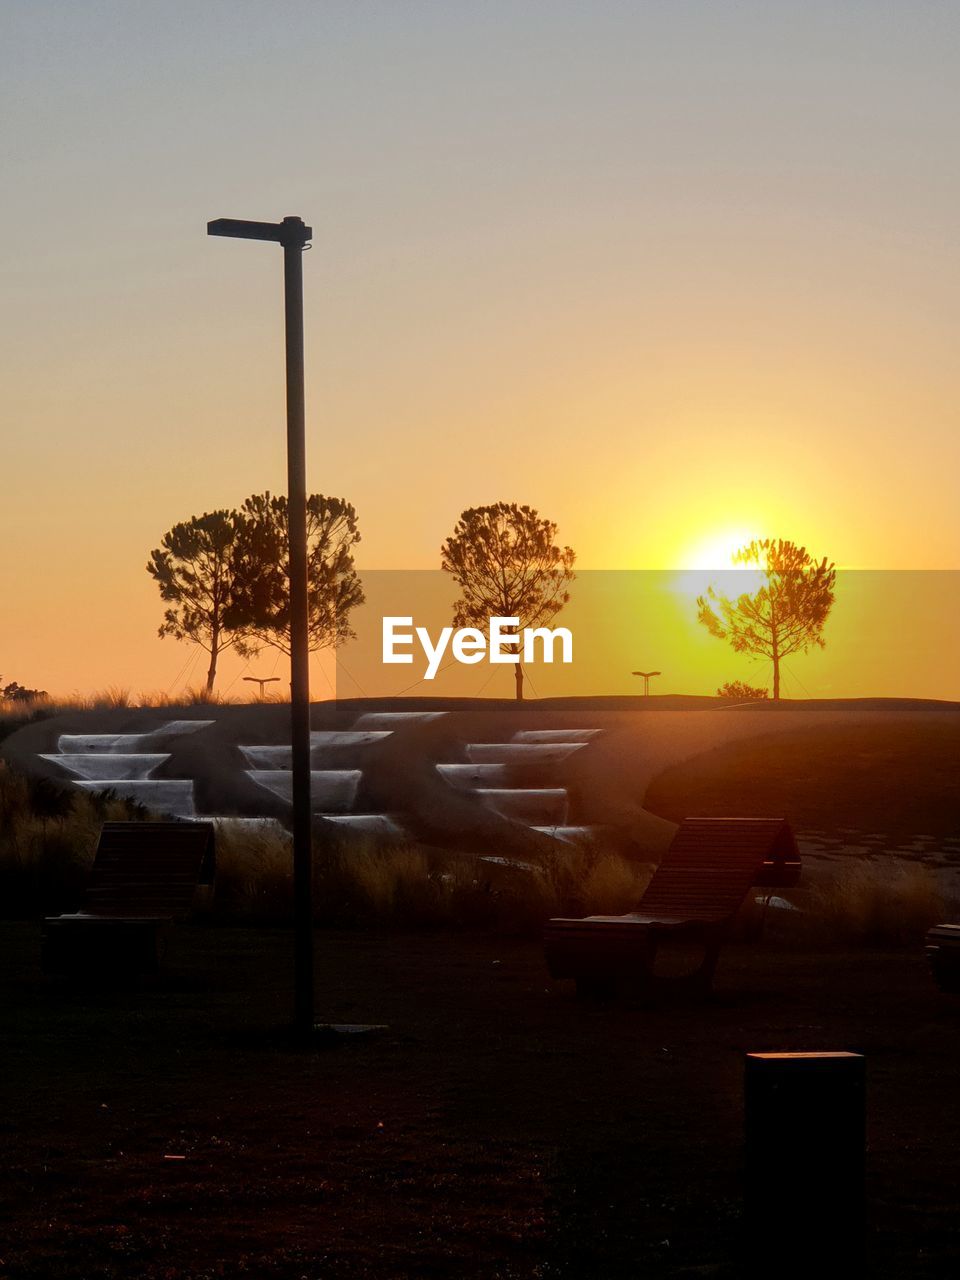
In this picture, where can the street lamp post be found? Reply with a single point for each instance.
(262, 681)
(294, 235)
(646, 679)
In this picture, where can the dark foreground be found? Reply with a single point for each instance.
(497, 1130)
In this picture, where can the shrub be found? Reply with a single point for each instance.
(48, 835)
(879, 903)
(14, 692)
(740, 689)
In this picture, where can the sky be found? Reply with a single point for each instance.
(670, 272)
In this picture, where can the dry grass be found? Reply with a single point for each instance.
(879, 903)
(111, 698)
(363, 882)
(254, 873)
(13, 714)
(611, 885)
(366, 883)
(390, 881)
(586, 879)
(410, 885)
(48, 835)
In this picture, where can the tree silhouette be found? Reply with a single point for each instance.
(14, 692)
(195, 569)
(788, 612)
(507, 563)
(260, 607)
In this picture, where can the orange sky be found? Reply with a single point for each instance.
(665, 272)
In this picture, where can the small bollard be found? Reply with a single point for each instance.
(804, 1169)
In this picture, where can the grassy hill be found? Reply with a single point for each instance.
(896, 780)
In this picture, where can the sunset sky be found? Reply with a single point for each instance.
(672, 272)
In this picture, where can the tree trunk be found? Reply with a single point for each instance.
(776, 673)
(211, 672)
(518, 675)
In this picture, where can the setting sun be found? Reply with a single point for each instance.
(716, 550)
(710, 562)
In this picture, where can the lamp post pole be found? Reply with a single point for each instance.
(294, 235)
(293, 247)
(646, 679)
(262, 681)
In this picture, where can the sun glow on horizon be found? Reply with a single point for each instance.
(716, 550)
(710, 563)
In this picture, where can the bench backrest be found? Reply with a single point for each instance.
(712, 864)
(150, 868)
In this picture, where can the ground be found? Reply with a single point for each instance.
(497, 1129)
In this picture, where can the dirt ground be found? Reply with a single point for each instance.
(497, 1129)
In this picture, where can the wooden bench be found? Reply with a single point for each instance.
(692, 899)
(144, 876)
